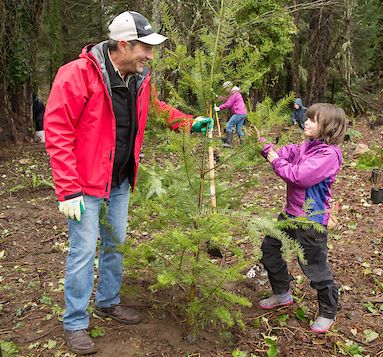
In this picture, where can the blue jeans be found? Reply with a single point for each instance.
(237, 120)
(83, 235)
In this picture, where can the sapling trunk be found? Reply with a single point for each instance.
(218, 123)
(193, 289)
(191, 335)
(190, 324)
(212, 182)
(202, 179)
(211, 171)
(191, 329)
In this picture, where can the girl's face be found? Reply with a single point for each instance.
(311, 129)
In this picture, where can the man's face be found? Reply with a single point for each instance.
(135, 57)
(296, 106)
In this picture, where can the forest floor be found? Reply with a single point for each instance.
(33, 244)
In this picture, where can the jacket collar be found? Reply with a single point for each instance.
(96, 54)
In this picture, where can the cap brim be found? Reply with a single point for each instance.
(153, 39)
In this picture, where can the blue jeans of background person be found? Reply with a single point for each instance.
(83, 235)
(236, 120)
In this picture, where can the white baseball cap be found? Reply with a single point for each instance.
(131, 25)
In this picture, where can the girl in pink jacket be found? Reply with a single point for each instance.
(237, 107)
(309, 170)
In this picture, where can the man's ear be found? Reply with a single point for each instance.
(122, 45)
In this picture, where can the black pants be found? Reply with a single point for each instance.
(314, 245)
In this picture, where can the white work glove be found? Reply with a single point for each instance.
(216, 108)
(72, 208)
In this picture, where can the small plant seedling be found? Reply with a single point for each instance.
(33, 183)
(97, 331)
(271, 342)
(301, 314)
(282, 319)
(371, 307)
(257, 323)
(350, 347)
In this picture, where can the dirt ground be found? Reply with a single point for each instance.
(33, 243)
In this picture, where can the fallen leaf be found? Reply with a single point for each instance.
(370, 335)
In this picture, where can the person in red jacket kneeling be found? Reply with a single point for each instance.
(94, 126)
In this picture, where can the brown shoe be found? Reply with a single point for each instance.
(80, 342)
(123, 314)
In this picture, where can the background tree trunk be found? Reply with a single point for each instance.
(296, 55)
(8, 129)
(319, 47)
(19, 28)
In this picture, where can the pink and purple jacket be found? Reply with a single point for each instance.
(235, 103)
(309, 170)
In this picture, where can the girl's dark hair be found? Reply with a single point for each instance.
(332, 122)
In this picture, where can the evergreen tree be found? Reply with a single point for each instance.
(173, 254)
(235, 43)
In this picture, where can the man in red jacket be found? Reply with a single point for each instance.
(94, 125)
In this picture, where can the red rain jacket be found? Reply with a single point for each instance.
(80, 126)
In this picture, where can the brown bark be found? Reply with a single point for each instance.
(323, 45)
(67, 56)
(346, 66)
(21, 104)
(296, 55)
(15, 104)
(319, 48)
(7, 126)
(8, 129)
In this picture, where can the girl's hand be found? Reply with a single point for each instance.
(272, 155)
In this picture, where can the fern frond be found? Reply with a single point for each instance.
(169, 23)
(9, 349)
(308, 205)
(274, 229)
(152, 182)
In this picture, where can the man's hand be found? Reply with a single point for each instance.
(216, 108)
(272, 155)
(73, 208)
(201, 123)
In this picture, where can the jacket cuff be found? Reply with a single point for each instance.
(265, 150)
(73, 195)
